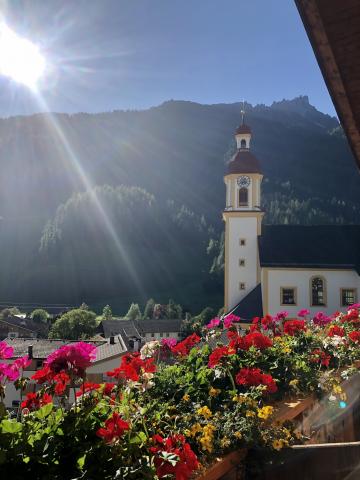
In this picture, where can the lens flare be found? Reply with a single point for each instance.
(20, 59)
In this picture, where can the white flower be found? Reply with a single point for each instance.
(149, 349)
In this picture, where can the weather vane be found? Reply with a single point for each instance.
(243, 112)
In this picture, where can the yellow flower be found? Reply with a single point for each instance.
(294, 382)
(205, 412)
(287, 433)
(195, 429)
(286, 350)
(207, 438)
(278, 444)
(265, 412)
(214, 392)
(337, 389)
(225, 442)
(186, 397)
(250, 413)
(238, 435)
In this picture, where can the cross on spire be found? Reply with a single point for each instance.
(242, 112)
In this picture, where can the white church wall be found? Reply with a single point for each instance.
(273, 279)
(241, 228)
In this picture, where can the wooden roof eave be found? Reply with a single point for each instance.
(321, 45)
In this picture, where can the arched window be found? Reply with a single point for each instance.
(243, 143)
(243, 197)
(318, 291)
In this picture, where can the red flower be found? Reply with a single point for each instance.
(108, 388)
(176, 445)
(33, 401)
(352, 316)
(255, 324)
(43, 375)
(267, 322)
(236, 342)
(61, 381)
(132, 366)
(318, 356)
(183, 348)
(74, 357)
(256, 339)
(87, 387)
(354, 336)
(216, 356)
(335, 330)
(252, 377)
(292, 327)
(114, 428)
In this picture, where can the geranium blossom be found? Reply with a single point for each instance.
(215, 322)
(304, 312)
(355, 336)
(74, 358)
(253, 377)
(281, 316)
(5, 351)
(335, 330)
(176, 445)
(132, 367)
(33, 401)
(321, 319)
(183, 348)
(292, 327)
(256, 339)
(169, 342)
(319, 356)
(218, 354)
(230, 319)
(114, 429)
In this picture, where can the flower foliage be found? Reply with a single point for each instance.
(173, 406)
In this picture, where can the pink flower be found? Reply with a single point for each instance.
(321, 319)
(281, 316)
(169, 342)
(5, 350)
(355, 305)
(215, 322)
(74, 357)
(230, 319)
(9, 372)
(22, 362)
(303, 312)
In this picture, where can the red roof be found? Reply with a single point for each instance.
(244, 162)
(243, 129)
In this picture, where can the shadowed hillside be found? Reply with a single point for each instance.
(115, 242)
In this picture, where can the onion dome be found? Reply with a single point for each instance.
(243, 128)
(244, 162)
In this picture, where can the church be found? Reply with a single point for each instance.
(271, 268)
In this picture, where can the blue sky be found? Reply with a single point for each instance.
(124, 54)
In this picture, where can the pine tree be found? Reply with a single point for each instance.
(134, 312)
(149, 308)
(107, 313)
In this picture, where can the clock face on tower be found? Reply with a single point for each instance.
(243, 181)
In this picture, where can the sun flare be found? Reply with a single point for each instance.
(20, 59)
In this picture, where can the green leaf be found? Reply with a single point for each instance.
(26, 459)
(139, 438)
(10, 426)
(80, 462)
(44, 411)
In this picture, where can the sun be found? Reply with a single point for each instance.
(20, 59)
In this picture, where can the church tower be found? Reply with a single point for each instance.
(243, 217)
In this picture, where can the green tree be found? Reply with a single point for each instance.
(174, 310)
(149, 309)
(39, 315)
(7, 312)
(74, 325)
(107, 313)
(84, 306)
(134, 312)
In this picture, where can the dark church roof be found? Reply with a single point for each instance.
(244, 162)
(250, 306)
(243, 129)
(320, 246)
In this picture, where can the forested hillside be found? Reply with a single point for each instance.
(122, 206)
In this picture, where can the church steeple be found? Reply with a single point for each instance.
(243, 217)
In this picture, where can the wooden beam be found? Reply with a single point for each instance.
(315, 25)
